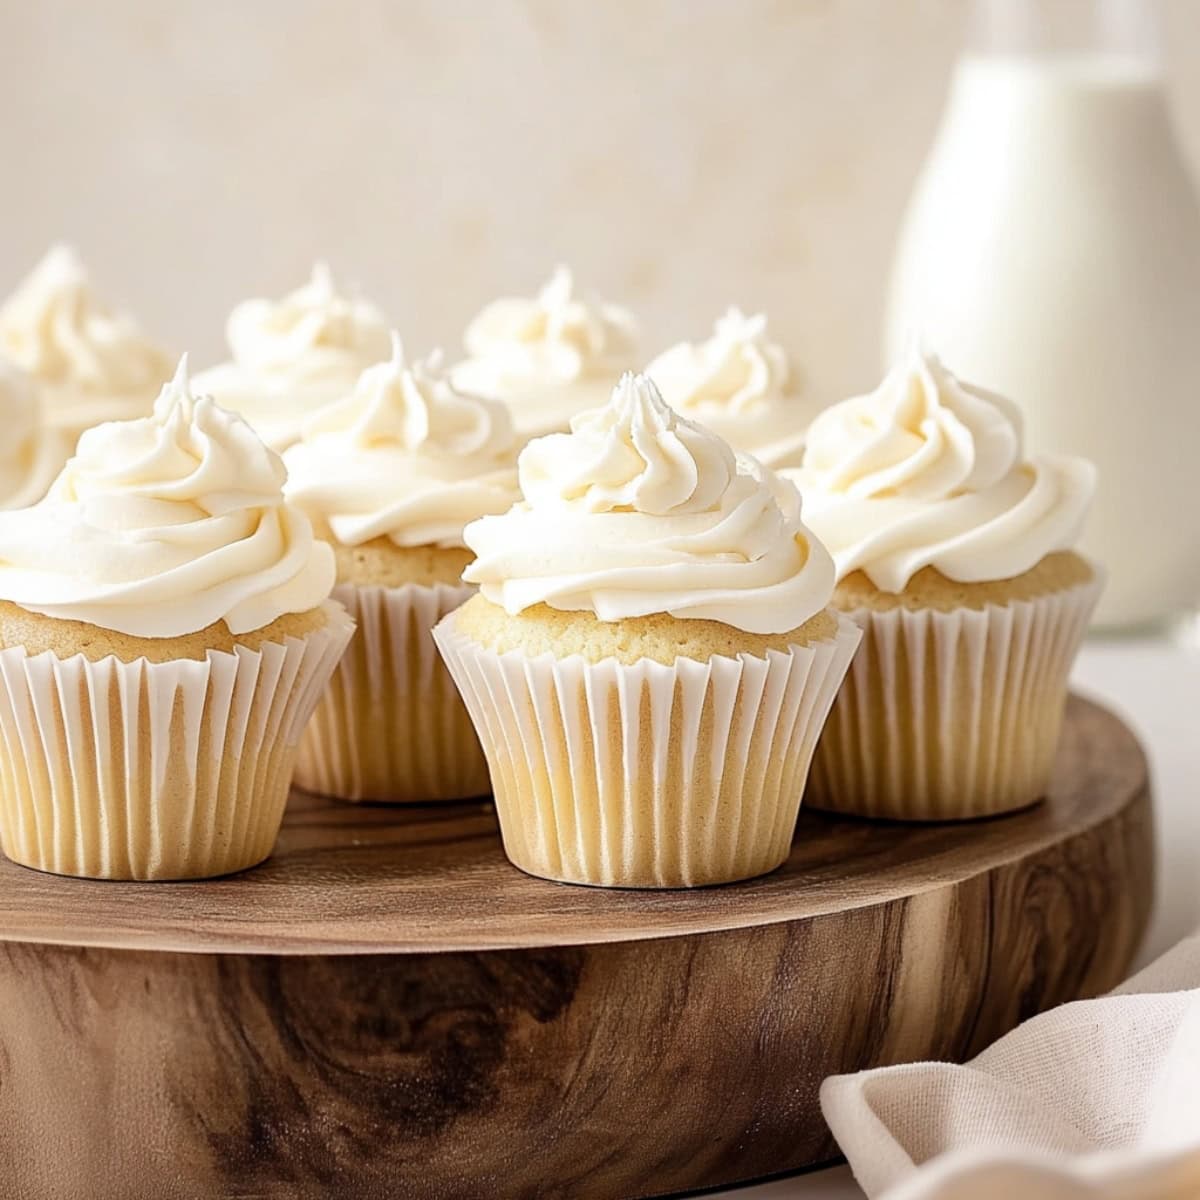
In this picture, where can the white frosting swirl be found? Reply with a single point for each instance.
(94, 364)
(162, 526)
(549, 357)
(740, 384)
(291, 356)
(638, 511)
(30, 452)
(406, 456)
(928, 471)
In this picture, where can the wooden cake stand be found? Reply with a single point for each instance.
(387, 1009)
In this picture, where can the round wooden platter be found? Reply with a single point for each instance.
(387, 1009)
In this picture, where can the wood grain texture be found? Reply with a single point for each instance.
(387, 1010)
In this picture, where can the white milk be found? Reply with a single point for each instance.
(1052, 252)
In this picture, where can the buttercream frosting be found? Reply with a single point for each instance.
(162, 526)
(94, 364)
(293, 355)
(639, 511)
(741, 385)
(548, 357)
(406, 456)
(30, 453)
(929, 471)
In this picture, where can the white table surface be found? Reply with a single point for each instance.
(1154, 685)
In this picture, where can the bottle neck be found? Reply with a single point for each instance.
(1037, 28)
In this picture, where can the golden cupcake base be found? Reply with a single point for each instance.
(644, 775)
(951, 714)
(157, 770)
(391, 727)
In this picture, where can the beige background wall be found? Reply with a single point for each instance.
(682, 154)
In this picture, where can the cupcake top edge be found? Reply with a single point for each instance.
(929, 471)
(406, 455)
(638, 511)
(561, 336)
(162, 526)
(92, 359)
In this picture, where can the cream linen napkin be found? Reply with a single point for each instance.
(1096, 1100)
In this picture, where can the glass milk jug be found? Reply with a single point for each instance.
(1051, 251)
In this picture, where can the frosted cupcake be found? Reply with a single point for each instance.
(293, 355)
(739, 384)
(550, 357)
(92, 364)
(650, 659)
(954, 554)
(164, 638)
(390, 476)
(31, 453)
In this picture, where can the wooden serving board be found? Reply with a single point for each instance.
(387, 1009)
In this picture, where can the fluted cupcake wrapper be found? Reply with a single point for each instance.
(648, 775)
(391, 725)
(951, 715)
(140, 770)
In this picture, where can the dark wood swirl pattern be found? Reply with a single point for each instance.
(387, 1010)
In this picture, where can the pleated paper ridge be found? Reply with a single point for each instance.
(141, 770)
(391, 725)
(951, 715)
(648, 775)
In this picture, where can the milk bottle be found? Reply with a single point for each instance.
(1051, 251)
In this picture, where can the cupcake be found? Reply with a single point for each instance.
(651, 657)
(954, 555)
(92, 364)
(550, 357)
(390, 475)
(31, 453)
(165, 634)
(740, 385)
(291, 356)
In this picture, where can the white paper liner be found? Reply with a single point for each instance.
(391, 725)
(141, 770)
(951, 715)
(648, 775)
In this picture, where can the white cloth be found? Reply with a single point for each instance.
(1095, 1100)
